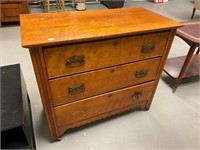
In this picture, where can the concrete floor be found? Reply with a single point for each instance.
(172, 123)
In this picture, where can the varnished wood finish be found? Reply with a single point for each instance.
(105, 80)
(86, 108)
(38, 64)
(62, 129)
(10, 10)
(98, 56)
(122, 50)
(163, 61)
(71, 27)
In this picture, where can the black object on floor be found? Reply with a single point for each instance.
(16, 118)
(113, 3)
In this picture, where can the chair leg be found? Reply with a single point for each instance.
(46, 5)
(61, 4)
(185, 64)
(193, 13)
(198, 51)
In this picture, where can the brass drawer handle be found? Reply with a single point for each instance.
(141, 73)
(136, 95)
(76, 89)
(75, 61)
(147, 48)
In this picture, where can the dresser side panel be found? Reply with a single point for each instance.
(163, 60)
(44, 91)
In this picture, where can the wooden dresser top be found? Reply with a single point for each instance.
(77, 26)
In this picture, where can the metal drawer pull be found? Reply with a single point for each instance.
(115, 43)
(136, 95)
(76, 89)
(141, 73)
(75, 61)
(147, 48)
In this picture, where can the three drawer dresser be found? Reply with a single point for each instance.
(93, 64)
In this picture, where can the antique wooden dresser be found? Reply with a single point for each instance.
(93, 64)
(11, 9)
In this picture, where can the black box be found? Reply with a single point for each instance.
(16, 119)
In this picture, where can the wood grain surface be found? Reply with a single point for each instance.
(101, 81)
(86, 62)
(80, 110)
(63, 128)
(69, 27)
(105, 53)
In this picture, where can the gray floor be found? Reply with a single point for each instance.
(172, 123)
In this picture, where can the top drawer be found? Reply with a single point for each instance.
(75, 58)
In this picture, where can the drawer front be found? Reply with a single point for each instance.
(80, 110)
(71, 88)
(70, 59)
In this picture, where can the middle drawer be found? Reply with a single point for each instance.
(72, 88)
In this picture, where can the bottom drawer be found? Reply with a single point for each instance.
(87, 108)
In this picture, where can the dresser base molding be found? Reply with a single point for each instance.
(64, 129)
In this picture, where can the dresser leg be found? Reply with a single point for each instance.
(174, 90)
(58, 140)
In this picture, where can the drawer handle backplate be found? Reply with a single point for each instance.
(76, 89)
(136, 95)
(147, 48)
(141, 73)
(75, 61)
